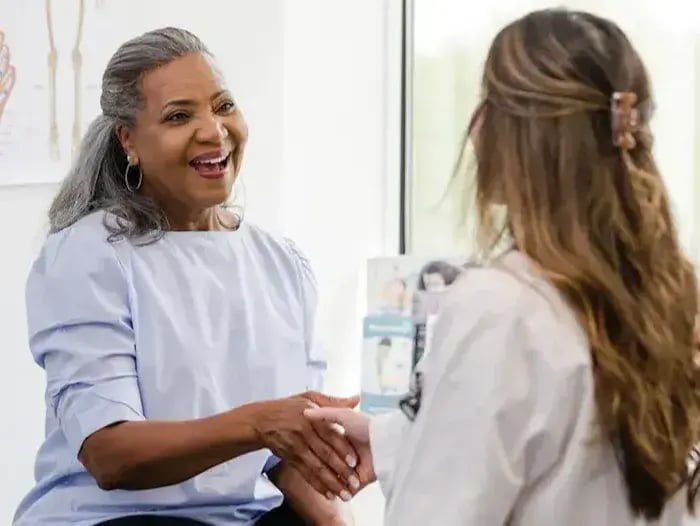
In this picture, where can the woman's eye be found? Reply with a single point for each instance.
(179, 116)
(226, 107)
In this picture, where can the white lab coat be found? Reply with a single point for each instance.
(504, 434)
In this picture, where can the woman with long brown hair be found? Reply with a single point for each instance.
(561, 386)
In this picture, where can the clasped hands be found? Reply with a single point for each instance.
(322, 438)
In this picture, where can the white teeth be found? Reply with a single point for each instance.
(213, 161)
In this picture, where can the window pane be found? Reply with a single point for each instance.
(450, 42)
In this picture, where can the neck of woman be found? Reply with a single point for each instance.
(212, 218)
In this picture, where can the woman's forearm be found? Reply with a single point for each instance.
(145, 455)
(314, 508)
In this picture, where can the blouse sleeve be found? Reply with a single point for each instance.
(500, 398)
(80, 333)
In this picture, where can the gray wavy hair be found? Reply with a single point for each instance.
(96, 180)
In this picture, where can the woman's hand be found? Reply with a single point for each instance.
(355, 427)
(323, 457)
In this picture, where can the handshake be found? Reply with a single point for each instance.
(322, 438)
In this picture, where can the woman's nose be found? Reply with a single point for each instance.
(212, 130)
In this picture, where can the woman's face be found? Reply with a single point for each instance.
(394, 293)
(434, 282)
(188, 138)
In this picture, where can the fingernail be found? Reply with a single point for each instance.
(345, 496)
(354, 482)
(330, 496)
(351, 461)
(338, 428)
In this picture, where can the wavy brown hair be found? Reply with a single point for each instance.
(596, 220)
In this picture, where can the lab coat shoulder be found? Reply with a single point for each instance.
(508, 302)
(505, 377)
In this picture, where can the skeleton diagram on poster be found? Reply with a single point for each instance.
(49, 83)
(40, 122)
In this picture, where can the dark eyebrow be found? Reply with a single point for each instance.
(189, 102)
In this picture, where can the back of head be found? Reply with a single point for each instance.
(97, 177)
(562, 141)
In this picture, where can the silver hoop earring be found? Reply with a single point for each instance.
(132, 188)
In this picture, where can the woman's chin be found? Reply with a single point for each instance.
(213, 192)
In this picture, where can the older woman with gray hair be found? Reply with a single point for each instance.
(175, 337)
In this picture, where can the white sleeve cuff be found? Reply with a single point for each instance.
(385, 433)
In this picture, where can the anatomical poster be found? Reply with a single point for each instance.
(28, 151)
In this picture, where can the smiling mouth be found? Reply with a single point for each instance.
(211, 168)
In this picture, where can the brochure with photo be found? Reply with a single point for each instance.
(409, 285)
(387, 361)
(403, 300)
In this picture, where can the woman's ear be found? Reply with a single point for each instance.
(125, 136)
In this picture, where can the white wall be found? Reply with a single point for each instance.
(317, 89)
(341, 114)
(22, 218)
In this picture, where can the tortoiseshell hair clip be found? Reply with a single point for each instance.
(624, 117)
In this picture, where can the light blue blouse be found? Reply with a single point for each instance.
(190, 326)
